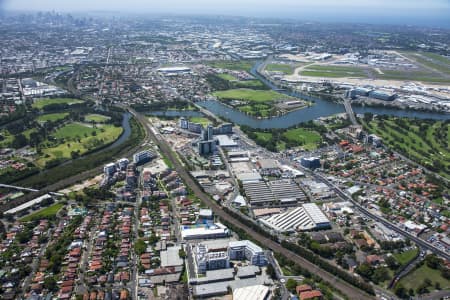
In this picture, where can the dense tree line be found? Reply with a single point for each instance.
(19, 113)
(220, 84)
(55, 253)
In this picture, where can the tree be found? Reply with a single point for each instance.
(140, 246)
(380, 275)
(291, 284)
(182, 253)
(391, 262)
(400, 291)
(433, 261)
(50, 284)
(19, 141)
(270, 271)
(365, 270)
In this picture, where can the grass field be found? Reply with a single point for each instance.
(333, 71)
(39, 104)
(52, 117)
(242, 65)
(96, 118)
(250, 95)
(78, 137)
(425, 142)
(200, 120)
(44, 213)
(405, 257)
(226, 76)
(303, 137)
(424, 76)
(415, 278)
(431, 60)
(264, 136)
(281, 140)
(285, 68)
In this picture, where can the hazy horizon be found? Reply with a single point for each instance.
(412, 12)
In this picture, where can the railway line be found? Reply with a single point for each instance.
(349, 290)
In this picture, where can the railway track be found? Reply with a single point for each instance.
(349, 290)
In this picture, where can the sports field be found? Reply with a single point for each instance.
(44, 213)
(97, 118)
(306, 138)
(249, 95)
(279, 140)
(200, 120)
(52, 117)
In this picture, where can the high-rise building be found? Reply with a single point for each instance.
(109, 169)
(206, 147)
(310, 162)
(184, 123)
(143, 157)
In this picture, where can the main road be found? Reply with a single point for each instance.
(385, 222)
(351, 291)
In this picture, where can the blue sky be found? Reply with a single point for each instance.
(420, 12)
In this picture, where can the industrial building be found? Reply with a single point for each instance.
(213, 231)
(258, 193)
(287, 192)
(268, 166)
(306, 217)
(254, 292)
(225, 141)
(171, 71)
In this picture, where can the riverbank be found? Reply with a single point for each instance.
(322, 108)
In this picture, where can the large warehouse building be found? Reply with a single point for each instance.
(306, 217)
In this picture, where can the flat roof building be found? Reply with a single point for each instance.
(214, 231)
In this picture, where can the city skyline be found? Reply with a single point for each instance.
(431, 13)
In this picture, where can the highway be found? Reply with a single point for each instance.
(351, 291)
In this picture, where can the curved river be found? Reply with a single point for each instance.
(125, 134)
(321, 108)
